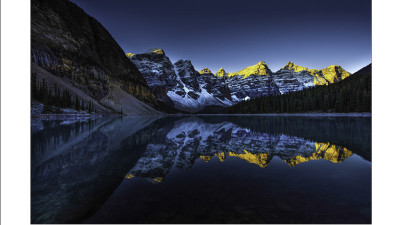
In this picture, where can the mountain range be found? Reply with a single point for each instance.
(189, 90)
(76, 63)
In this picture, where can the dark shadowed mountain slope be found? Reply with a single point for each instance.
(179, 84)
(70, 44)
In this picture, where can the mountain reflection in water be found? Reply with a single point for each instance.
(98, 170)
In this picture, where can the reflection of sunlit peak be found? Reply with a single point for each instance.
(206, 158)
(321, 146)
(158, 179)
(129, 176)
(325, 151)
(221, 156)
(260, 158)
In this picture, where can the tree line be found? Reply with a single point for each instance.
(349, 95)
(55, 96)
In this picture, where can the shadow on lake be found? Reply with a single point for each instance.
(202, 169)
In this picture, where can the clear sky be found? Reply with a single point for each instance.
(236, 34)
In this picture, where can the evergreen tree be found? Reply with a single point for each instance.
(350, 95)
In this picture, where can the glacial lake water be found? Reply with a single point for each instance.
(202, 169)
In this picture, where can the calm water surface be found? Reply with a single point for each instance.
(202, 169)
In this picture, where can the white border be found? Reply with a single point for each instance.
(15, 111)
(385, 112)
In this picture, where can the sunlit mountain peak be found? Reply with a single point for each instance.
(294, 67)
(129, 55)
(157, 50)
(260, 68)
(334, 73)
(328, 75)
(205, 71)
(220, 73)
(129, 176)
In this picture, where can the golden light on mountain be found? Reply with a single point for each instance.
(205, 158)
(129, 176)
(259, 159)
(158, 179)
(159, 51)
(319, 78)
(129, 55)
(220, 73)
(293, 67)
(325, 151)
(221, 156)
(329, 75)
(259, 69)
(205, 71)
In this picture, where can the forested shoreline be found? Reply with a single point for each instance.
(347, 96)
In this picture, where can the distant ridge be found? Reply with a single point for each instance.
(346, 96)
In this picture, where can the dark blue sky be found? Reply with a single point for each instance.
(237, 34)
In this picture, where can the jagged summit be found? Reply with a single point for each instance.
(260, 68)
(205, 71)
(328, 75)
(334, 73)
(184, 61)
(129, 55)
(220, 73)
(156, 50)
(294, 67)
(262, 63)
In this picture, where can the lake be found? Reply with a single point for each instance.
(202, 169)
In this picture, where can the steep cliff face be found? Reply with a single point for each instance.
(329, 75)
(158, 72)
(179, 84)
(216, 85)
(74, 46)
(253, 86)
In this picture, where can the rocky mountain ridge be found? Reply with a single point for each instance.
(325, 76)
(74, 47)
(181, 86)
